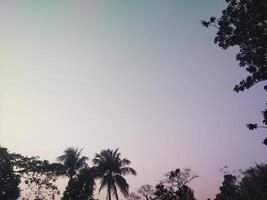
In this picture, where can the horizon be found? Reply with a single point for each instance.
(141, 76)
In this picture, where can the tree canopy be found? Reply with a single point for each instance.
(9, 181)
(243, 24)
(111, 168)
(174, 186)
(229, 188)
(38, 176)
(82, 186)
(251, 185)
(254, 183)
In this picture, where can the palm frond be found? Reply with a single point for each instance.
(81, 162)
(128, 170)
(122, 185)
(103, 183)
(110, 168)
(115, 192)
(125, 162)
(61, 158)
(72, 160)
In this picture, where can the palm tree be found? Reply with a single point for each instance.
(73, 161)
(110, 168)
(82, 186)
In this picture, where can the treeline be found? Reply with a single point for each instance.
(38, 178)
(250, 184)
(26, 178)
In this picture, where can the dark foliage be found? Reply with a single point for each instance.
(253, 185)
(133, 196)
(110, 168)
(38, 176)
(73, 161)
(9, 181)
(82, 186)
(176, 179)
(163, 193)
(229, 188)
(147, 192)
(185, 193)
(244, 24)
(174, 186)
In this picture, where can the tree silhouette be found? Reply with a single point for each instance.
(82, 186)
(185, 193)
(174, 186)
(133, 196)
(38, 176)
(254, 183)
(164, 193)
(41, 181)
(73, 161)
(229, 189)
(146, 191)
(243, 24)
(176, 179)
(9, 181)
(110, 168)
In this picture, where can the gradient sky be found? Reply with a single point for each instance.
(141, 75)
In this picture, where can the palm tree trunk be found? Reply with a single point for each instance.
(109, 192)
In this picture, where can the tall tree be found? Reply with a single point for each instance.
(229, 189)
(38, 176)
(164, 193)
(73, 161)
(110, 168)
(243, 24)
(82, 186)
(176, 179)
(9, 181)
(253, 185)
(174, 186)
(185, 193)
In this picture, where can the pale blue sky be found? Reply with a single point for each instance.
(140, 75)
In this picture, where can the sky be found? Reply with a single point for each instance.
(143, 76)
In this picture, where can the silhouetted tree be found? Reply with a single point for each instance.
(229, 189)
(185, 193)
(39, 176)
(164, 193)
(41, 183)
(9, 181)
(176, 179)
(146, 191)
(133, 196)
(73, 161)
(174, 186)
(81, 187)
(253, 185)
(111, 169)
(243, 24)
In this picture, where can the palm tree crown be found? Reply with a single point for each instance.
(110, 168)
(73, 161)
